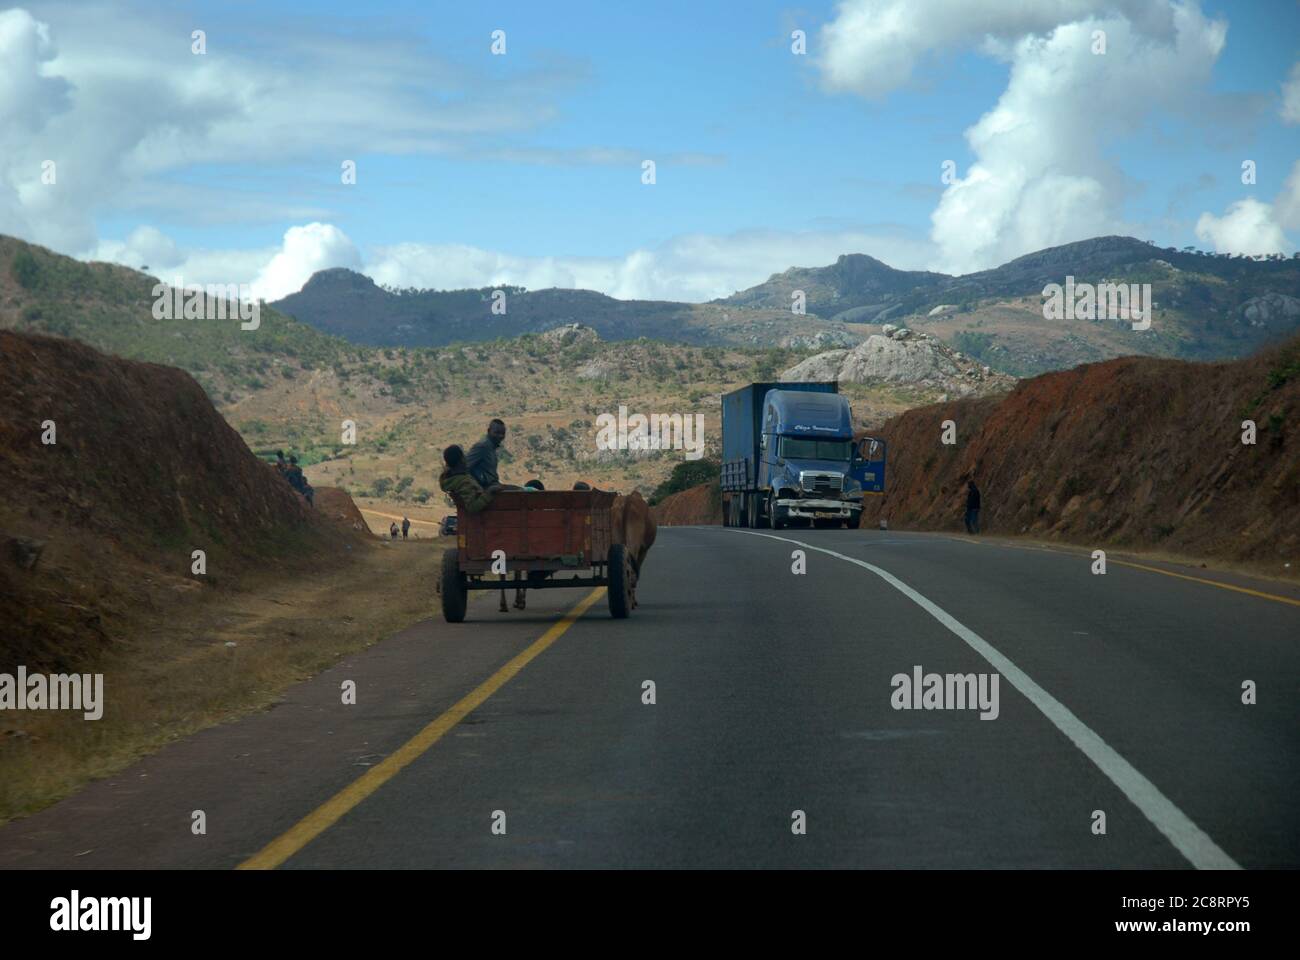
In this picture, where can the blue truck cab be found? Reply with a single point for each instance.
(789, 455)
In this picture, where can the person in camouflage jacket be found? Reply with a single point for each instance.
(464, 489)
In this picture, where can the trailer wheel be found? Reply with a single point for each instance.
(455, 595)
(620, 582)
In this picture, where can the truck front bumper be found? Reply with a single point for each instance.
(820, 509)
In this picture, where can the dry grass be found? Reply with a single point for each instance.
(180, 675)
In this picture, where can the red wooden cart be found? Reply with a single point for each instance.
(534, 536)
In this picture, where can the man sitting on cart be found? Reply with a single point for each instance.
(464, 489)
(469, 494)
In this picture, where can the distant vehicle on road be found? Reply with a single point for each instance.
(447, 528)
(788, 455)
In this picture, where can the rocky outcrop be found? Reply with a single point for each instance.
(1269, 310)
(903, 356)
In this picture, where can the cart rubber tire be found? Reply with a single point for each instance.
(620, 582)
(455, 596)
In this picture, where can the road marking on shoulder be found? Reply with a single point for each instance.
(1189, 839)
(1213, 583)
(1136, 566)
(332, 810)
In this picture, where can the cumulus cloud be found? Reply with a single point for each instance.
(1252, 227)
(121, 104)
(29, 98)
(306, 249)
(1042, 175)
(873, 47)
(1247, 227)
(692, 268)
(271, 272)
(1286, 205)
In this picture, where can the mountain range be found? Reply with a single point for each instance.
(1207, 307)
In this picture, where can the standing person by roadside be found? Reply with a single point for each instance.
(406, 526)
(972, 507)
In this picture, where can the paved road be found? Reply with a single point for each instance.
(1119, 693)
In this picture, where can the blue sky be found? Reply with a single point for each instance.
(476, 169)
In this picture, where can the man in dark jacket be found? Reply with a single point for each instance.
(406, 526)
(972, 507)
(482, 459)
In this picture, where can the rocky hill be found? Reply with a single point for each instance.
(855, 289)
(860, 289)
(1207, 307)
(350, 305)
(900, 355)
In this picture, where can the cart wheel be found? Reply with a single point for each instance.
(620, 582)
(454, 593)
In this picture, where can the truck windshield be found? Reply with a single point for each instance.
(799, 448)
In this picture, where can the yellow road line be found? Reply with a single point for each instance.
(1141, 566)
(327, 814)
(1213, 583)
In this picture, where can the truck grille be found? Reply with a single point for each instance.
(821, 483)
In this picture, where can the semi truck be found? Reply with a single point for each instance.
(789, 456)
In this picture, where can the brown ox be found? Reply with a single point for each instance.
(633, 525)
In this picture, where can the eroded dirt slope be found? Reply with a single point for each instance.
(1136, 452)
(104, 520)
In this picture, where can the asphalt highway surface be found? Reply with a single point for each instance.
(748, 715)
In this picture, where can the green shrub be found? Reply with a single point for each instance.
(25, 269)
(687, 474)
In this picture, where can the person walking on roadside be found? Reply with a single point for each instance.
(392, 529)
(972, 507)
(406, 526)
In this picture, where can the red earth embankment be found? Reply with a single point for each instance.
(690, 507)
(1134, 452)
(112, 473)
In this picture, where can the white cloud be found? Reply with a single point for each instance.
(316, 246)
(1247, 227)
(1286, 205)
(118, 100)
(1042, 175)
(1291, 96)
(272, 272)
(692, 268)
(873, 47)
(1250, 226)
